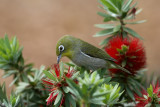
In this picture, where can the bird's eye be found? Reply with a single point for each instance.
(61, 48)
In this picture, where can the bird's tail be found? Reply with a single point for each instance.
(115, 66)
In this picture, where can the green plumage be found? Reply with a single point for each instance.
(84, 54)
(95, 52)
(70, 42)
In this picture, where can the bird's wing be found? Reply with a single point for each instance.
(95, 52)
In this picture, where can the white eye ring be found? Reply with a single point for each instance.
(61, 48)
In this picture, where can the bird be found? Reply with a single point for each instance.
(84, 54)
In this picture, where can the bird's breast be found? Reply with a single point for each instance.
(84, 60)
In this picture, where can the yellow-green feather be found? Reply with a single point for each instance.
(95, 52)
(73, 45)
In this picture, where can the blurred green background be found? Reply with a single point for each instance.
(38, 24)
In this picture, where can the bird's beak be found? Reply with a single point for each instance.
(58, 58)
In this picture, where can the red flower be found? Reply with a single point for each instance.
(56, 86)
(129, 53)
(69, 73)
(141, 100)
(52, 97)
(57, 70)
(156, 88)
(146, 98)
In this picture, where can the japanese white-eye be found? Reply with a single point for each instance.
(84, 54)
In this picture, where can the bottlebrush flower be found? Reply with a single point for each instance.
(129, 53)
(56, 83)
(150, 97)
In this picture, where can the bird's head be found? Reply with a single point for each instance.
(64, 47)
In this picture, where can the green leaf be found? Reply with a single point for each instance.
(67, 101)
(3, 95)
(150, 91)
(114, 90)
(65, 89)
(38, 74)
(70, 64)
(137, 22)
(71, 100)
(105, 41)
(130, 93)
(61, 69)
(124, 48)
(110, 6)
(132, 16)
(115, 66)
(124, 14)
(18, 54)
(98, 101)
(24, 77)
(49, 75)
(137, 91)
(84, 89)
(125, 35)
(124, 62)
(14, 44)
(110, 18)
(134, 5)
(119, 4)
(136, 82)
(9, 73)
(136, 88)
(17, 102)
(117, 28)
(100, 94)
(58, 99)
(14, 81)
(104, 32)
(106, 80)
(5, 103)
(107, 17)
(123, 2)
(105, 26)
(93, 77)
(7, 42)
(126, 6)
(103, 14)
(132, 32)
(75, 75)
(93, 90)
(138, 11)
(74, 87)
(145, 96)
(112, 13)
